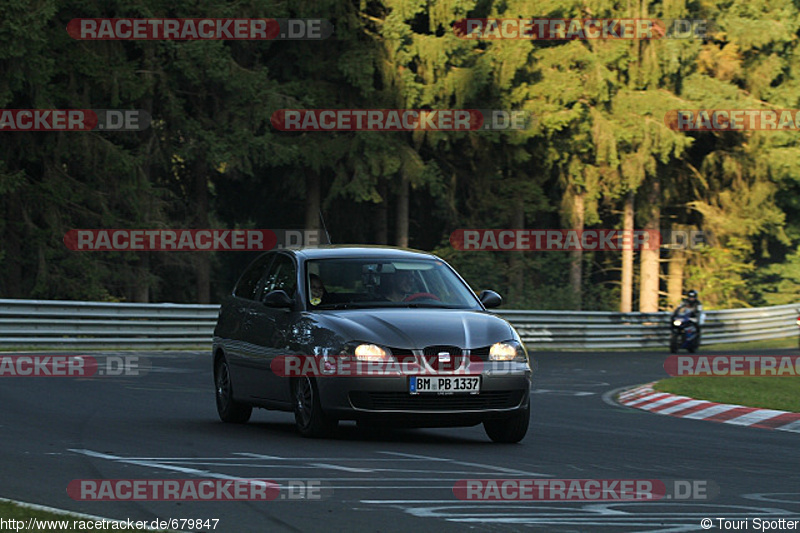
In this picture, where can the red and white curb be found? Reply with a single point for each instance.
(664, 403)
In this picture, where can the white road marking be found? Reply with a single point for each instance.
(755, 417)
(369, 459)
(150, 464)
(680, 407)
(562, 392)
(344, 468)
(662, 402)
(593, 515)
(644, 399)
(793, 427)
(770, 497)
(186, 465)
(710, 411)
(464, 463)
(259, 456)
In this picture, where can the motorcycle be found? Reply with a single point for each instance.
(685, 333)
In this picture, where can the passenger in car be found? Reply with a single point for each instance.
(318, 292)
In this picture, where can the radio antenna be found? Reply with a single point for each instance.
(322, 219)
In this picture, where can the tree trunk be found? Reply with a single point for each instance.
(626, 299)
(677, 262)
(142, 290)
(202, 259)
(313, 202)
(382, 216)
(650, 270)
(13, 248)
(576, 256)
(401, 230)
(516, 261)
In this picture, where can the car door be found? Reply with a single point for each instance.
(241, 314)
(272, 328)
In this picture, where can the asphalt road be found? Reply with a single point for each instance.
(164, 426)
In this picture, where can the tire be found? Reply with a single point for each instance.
(229, 409)
(310, 419)
(674, 344)
(694, 345)
(509, 430)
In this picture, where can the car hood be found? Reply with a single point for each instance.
(418, 328)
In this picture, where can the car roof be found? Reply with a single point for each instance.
(361, 251)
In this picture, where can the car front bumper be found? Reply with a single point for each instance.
(386, 399)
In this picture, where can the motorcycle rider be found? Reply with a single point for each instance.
(693, 307)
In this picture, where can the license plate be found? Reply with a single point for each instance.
(444, 384)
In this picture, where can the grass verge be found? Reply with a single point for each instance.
(781, 393)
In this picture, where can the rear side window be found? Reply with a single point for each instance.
(282, 275)
(248, 283)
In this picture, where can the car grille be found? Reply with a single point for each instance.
(431, 354)
(402, 401)
(483, 353)
(403, 355)
(436, 350)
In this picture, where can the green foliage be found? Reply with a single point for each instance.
(211, 157)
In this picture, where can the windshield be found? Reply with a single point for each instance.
(351, 283)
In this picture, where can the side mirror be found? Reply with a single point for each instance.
(278, 298)
(490, 299)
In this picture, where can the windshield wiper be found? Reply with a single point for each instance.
(351, 305)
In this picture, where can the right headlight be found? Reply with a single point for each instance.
(676, 322)
(366, 352)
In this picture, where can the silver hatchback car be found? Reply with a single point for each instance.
(382, 336)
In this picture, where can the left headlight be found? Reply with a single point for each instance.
(508, 351)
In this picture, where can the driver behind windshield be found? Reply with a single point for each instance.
(402, 286)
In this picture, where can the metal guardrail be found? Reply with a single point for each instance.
(55, 323)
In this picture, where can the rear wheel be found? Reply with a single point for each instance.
(229, 409)
(309, 418)
(509, 430)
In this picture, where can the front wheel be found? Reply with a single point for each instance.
(229, 410)
(509, 430)
(309, 418)
(694, 344)
(674, 342)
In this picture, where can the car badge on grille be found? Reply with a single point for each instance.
(444, 357)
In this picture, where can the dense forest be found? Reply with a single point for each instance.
(598, 155)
